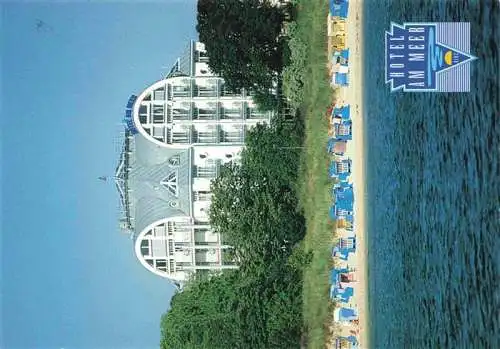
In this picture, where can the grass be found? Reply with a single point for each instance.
(315, 186)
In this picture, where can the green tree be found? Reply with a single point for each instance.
(254, 208)
(242, 41)
(254, 203)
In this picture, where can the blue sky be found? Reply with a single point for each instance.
(69, 278)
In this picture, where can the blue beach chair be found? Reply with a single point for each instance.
(339, 8)
(344, 112)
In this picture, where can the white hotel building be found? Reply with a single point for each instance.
(179, 131)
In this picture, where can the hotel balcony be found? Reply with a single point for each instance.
(231, 110)
(180, 113)
(232, 136)
(209, 170)
(183, 136)
(200, 56)
(209, 90)
(226, 92)
(206, 113)
(206, 136)
(181, 89)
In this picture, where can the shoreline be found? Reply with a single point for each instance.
(353, 95)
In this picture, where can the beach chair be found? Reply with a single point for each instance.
(341, 79)
(338, 42)
(339, 8)
(341, 57)
(349, 342)
(344, 112)
(344, 192)
(345, 315)
(341, 294)
(335, 274)
(340, 169)
(342, 253)
(349, 243)
(344, 223)
(336, 147)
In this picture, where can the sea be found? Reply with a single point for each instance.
(433, 190)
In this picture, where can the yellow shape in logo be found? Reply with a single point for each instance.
(448, 57)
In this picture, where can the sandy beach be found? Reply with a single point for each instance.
(353, 95)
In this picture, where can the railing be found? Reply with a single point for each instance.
(202, 91)
(232, 137)
(205, 137)
(210, 170)
(236, 113)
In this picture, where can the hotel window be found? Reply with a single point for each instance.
(206, 113)
(181, 114)
(159, 94)
(161, 264)
(158, 114)
(143, 114)
(208, 90)
(145, 247)
(208, 171)
(170, 227)
(182, 89)
(180, 137)
(202, 56)
(232, 136)
(232, 113)
(207, 135)
(171, 265)
(169, 135)
(202, 195)
(169, 92)
(159, 231)
(158, 133)
(205, 172)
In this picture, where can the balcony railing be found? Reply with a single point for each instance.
(204, 91)
(205, 137)
(178, 137)
(205, 114)
(232, 113)
(232, 137)
(209, 170)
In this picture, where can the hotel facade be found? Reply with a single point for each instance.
(179, 131)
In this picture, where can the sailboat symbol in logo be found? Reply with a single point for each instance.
(428, 57)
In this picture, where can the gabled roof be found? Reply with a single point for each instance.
(146, 176)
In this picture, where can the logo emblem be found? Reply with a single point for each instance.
(428, 57)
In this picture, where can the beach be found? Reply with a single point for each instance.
(353, 96)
